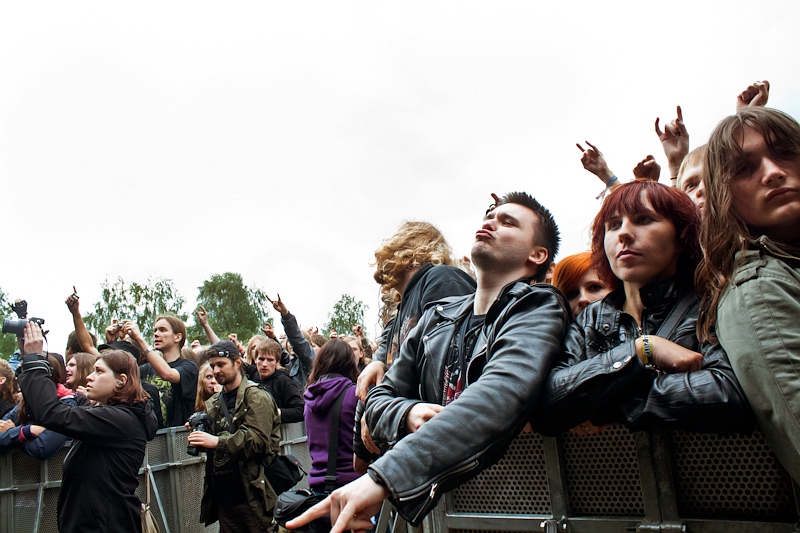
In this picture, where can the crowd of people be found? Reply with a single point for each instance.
(679, 316)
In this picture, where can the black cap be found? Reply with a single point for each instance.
(125, 346)
(224, 349)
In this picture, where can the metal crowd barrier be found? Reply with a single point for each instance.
(29, 488)
(653, 481)
(617, 481)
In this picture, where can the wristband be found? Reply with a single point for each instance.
(609, 183)
(647, 350)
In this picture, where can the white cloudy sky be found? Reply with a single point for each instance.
(285, 141)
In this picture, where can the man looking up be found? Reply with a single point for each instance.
(466, 378)
(243, 437)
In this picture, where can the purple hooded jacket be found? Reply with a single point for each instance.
(319, 398)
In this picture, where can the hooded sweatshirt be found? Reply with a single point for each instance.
(99, 482)
(320, 397)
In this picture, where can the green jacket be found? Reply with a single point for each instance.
(254, 444)
(757, 325)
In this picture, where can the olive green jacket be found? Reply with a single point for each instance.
(758, 325)
(254, 444)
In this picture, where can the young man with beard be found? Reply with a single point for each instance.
(243, 437)
(466, 378)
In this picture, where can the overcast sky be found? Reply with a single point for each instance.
(285, 141)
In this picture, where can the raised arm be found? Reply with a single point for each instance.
(675, 142)
(159, 364)
(202, 318)
(301, 347)
(106, 426)
(81, 333)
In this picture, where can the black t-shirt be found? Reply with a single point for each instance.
(177, 399)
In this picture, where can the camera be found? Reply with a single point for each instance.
(18, 326)
(199, 421)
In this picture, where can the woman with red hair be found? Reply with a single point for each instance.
(575, 277)
(100, 472)
(634, 356)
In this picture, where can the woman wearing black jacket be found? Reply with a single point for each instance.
(99, 482)
(619, 363)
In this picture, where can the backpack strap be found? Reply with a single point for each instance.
(333, 442)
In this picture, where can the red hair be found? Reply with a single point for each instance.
(569, 271)
(668, 202)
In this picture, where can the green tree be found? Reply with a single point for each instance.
(8, 341)
(232, 307)
(347, 312)
(140, 302)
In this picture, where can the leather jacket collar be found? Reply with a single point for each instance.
(658, 298)
(461, 306)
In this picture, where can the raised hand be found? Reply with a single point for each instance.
(72, 301)
(647, 169)
(675, 142)
(593, 161)
(756, 95)
(202, 315)
(279, 306)
(268, 331)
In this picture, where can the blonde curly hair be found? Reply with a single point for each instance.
(413, 245)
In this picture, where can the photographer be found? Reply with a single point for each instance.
(243, 439)
(99, 481)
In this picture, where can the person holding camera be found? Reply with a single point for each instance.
(243, 439)
(100, 471)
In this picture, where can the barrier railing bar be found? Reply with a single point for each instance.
(664, 475)
(647, 475)
(158, 499)
(174, 479)
(556, 471)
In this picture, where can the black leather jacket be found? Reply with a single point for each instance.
(601, 378)
(519, 341)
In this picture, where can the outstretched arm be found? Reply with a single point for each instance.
(301, 347)
(202, 318)
(81, 333)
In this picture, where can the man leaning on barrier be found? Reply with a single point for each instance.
(241, 442)
(446, 425)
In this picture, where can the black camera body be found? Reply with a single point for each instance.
(199, 421)
(18, 326)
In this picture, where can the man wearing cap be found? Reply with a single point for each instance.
(243, 438)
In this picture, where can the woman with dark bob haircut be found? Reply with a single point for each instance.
(334, 373)
(99, 481)
(621, 362)
(751, 269)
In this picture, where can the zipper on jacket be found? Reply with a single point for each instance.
(437, 481)
(767, 244)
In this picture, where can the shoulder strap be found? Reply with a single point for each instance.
(676, 316)
(333, 442)
(223, 405)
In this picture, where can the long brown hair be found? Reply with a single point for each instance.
(84, 365)
(723, 232)
(121, 362)
(336, 357)
(7, 388)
